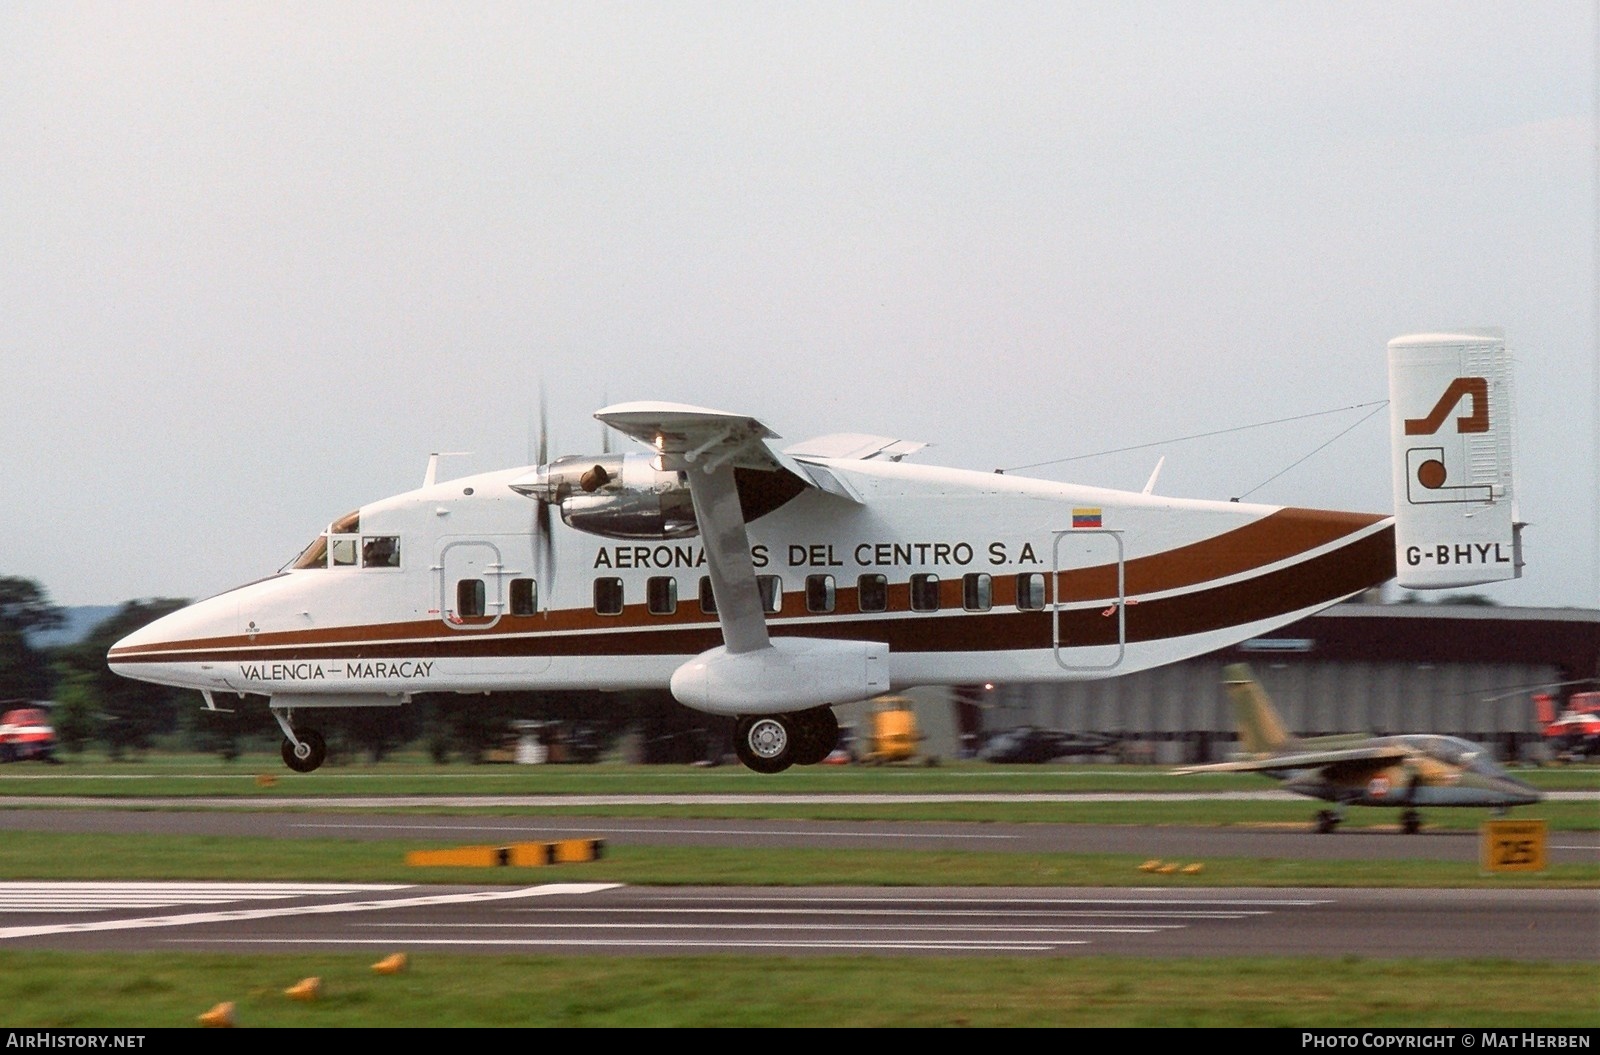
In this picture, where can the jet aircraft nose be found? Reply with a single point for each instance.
(1520, 792)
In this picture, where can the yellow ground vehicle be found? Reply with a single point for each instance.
(895, 735)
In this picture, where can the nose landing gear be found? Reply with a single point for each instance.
(309, 753)
(303, 749)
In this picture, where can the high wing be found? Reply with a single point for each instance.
(1304, 760)
(707, 445)
(858, 446)
(751, 673)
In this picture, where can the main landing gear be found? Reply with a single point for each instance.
(303, 749)
(771, 743)
(1327, 820)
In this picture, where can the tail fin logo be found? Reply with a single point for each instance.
(1426, 465)
(1474, 388)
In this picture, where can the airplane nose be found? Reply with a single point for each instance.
(1515, 792)
(1525, 794)
(120, 656)
(169, 650)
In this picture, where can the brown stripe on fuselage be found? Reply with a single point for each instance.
(1348, 569)
(1263, 542)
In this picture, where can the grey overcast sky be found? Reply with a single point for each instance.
(261, 258)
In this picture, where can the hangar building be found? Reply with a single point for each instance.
(1463, 669)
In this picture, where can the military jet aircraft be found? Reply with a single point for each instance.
(1411, 770)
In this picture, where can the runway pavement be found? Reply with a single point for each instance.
(583, 918)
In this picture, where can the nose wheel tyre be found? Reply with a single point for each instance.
(308, 755)
(763, 744)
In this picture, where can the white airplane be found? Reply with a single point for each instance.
(772, 584)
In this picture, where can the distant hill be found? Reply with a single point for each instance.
(80, 621)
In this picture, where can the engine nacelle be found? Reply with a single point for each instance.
(792, 674)
(615, 495)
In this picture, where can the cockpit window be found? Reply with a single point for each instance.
(314, 555)
(344, 552)
(380, 551)
(349, 524)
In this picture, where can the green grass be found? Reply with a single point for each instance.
(52, 856)
(92, 990)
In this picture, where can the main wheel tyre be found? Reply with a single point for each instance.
(816, 735)
(309, 755)
(763, 744)
(1411, 822)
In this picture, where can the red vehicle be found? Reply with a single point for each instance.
(26, 733)
(1575, 732)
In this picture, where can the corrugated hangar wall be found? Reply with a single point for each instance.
(1464, 670)
(1182, 706)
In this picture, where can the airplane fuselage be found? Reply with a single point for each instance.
(1436, 770)
(962, 575)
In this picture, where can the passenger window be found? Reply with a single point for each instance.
(708, 600)
(771, 588)
(608, 596)
(344, 552)
(380, 551)
(470, 598)
(1030, 590)
(872, 593)
(819, 593)
(924, 592)
(977, 592)
(661, 595)
(524, 597)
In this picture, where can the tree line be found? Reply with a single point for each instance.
(93, 709)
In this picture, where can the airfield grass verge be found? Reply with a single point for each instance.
(171, 990)
(76, 856)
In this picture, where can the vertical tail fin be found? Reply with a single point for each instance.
(1260, 728)
(1450, 431)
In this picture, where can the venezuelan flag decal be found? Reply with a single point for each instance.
(1086, 518)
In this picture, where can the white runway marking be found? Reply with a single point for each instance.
(191, 918)
(79, 897)
(586, 943)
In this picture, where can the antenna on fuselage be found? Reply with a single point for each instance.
(431, 477)
(1150, 484)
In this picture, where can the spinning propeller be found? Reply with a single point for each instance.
(544, 544)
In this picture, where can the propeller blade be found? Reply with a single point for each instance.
(541, 454)
(545, 554)
(544, 542)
